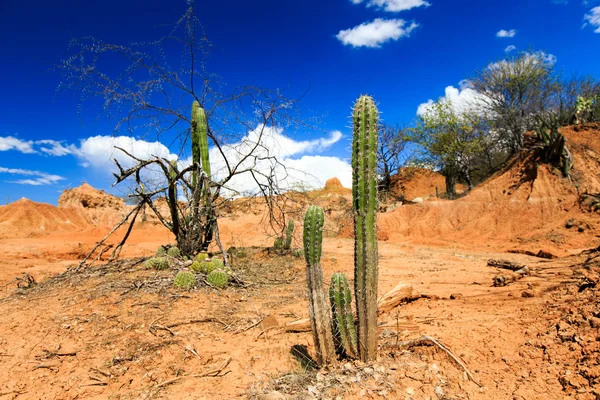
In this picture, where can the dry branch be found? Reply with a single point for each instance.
(505, 264)
(402, 292)
(428, 340)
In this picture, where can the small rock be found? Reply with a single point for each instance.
(581, 228)
(595, 322)
(274, 395)
(368, 371)
(528, 293)
(456, 296)
(411, 391)
(570, 223)
(348, 367)
(439, 392)
(417, 200)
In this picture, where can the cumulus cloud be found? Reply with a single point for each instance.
(506, 34)
(99, 151)
(464, 98)
(593, 18)
(286, 159)
(37, 177)
(395, 5)
(13, 143)
(510, 48)
(377, 32)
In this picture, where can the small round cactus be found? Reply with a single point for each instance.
(206, 267)
(158, 263)
(174, 252)
(161, 251)
(217, 263)
(218, 278)
(201, 256)
(185, 280)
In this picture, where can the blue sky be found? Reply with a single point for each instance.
(402, 52)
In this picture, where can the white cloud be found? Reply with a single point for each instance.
(39, 177)
(463, 98)
(48, 147)
(593, 18)
(99, 151)
(12, 143)
(375, 33)
(510, 48)
(395, 5)
(54, 148)
(506, 34)
(290, 170)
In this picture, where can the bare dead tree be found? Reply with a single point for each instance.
(390, 154)
(150, 96)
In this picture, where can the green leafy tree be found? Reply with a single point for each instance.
(450, 141)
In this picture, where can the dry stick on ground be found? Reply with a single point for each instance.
(505, 264)
(211, 373)
(196, 321)
(428, 340)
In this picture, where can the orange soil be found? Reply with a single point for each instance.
(509, 342)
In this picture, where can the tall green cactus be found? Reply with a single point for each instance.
(320, 319)
(289, 235)
(344, 332)
(199, 139)
(364, 194)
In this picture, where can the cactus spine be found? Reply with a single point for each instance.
(200, 139)
(344, 333)
(364, 194)
(289, 235)
(320, 319)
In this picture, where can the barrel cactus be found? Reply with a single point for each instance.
(185, 280)
(174, 252)
(320, 319)
(158, 263)
(218, 278)
(344, 332)
(364, 196)
(201, 256)
(161, 251)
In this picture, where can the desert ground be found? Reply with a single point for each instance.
(120, 331)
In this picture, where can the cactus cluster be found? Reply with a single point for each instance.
(218, 278)
(158, 263)
(207, 266)
(185, 280)
(340, 334)
(554, 146)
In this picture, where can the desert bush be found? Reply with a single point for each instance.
(185, 280)
(158, 263)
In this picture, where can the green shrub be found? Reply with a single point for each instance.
(158, 263)
(185, 280)
(161, 251)
(174, 252)
(218, 278)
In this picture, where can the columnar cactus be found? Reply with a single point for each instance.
(320, 319)
(289, 235)
(344, 332)
(364, 194)
(199, 139)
